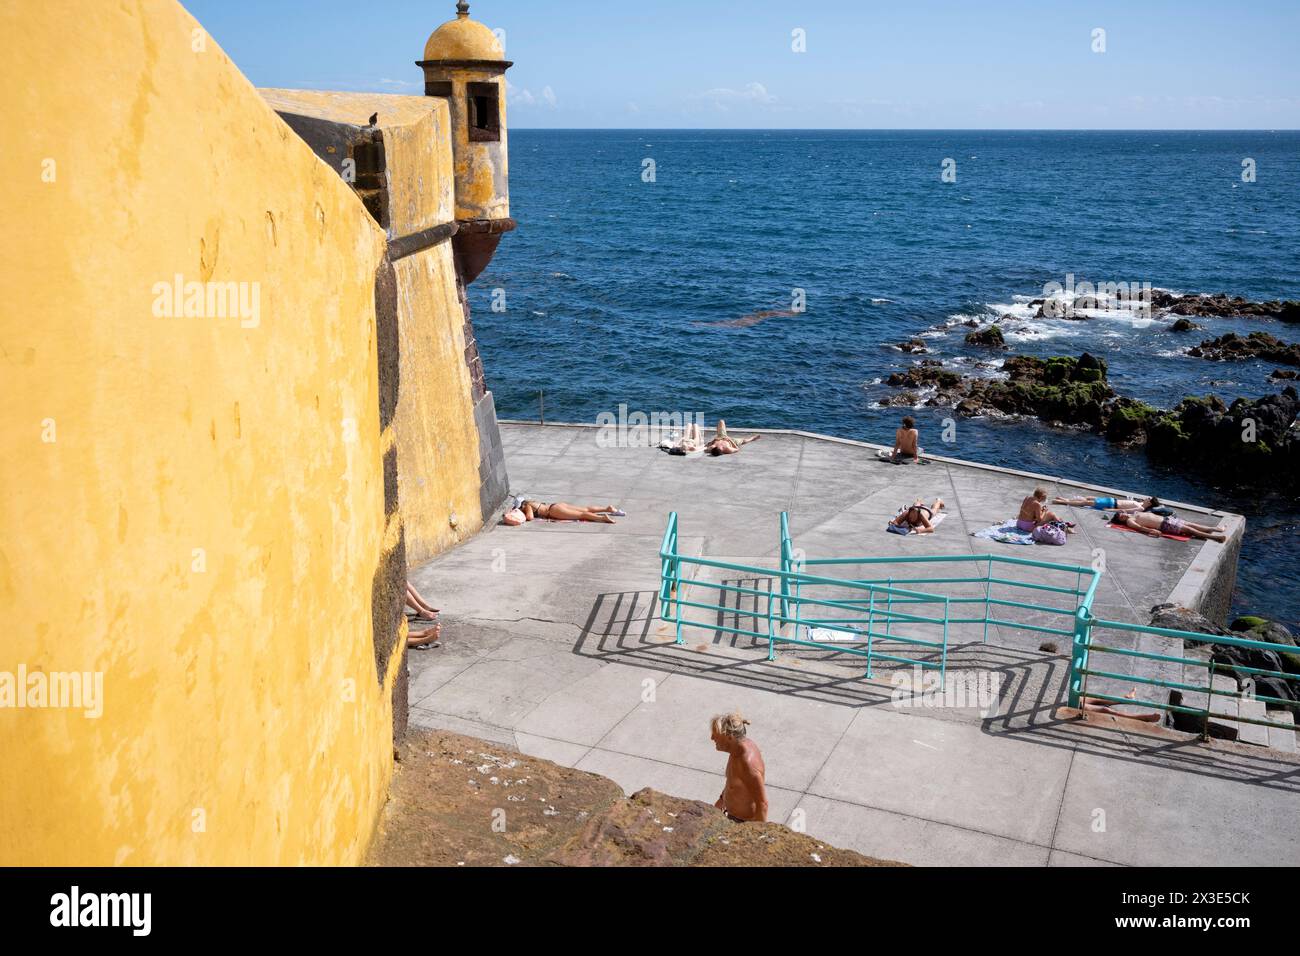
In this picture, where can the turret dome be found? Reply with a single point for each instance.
(463, 39)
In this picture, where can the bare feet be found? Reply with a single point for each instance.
(425, 638)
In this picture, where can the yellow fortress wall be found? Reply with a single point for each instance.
(439, 445)
(192, 506)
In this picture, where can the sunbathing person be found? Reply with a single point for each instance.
(1110, 504)
(1033, 513)
(563, 511)
(918, 517)
(1155, 526)
(905, 443)
(692, 441)
(1097, 705)
(724, 444)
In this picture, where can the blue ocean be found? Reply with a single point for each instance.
(645, 262)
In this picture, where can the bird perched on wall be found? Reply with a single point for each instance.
(374, 119)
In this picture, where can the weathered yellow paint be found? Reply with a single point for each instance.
(437, 440)
(205, 526)
(416, 132)
(436, 436)
(482, 169)
(463, 39)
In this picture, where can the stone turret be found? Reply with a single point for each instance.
(464, 62)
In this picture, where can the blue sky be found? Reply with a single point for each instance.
(907, 64)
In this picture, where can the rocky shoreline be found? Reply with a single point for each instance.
(1258, 345)
(1216, 305)
(1243, 444)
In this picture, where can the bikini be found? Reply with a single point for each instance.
(907, 515)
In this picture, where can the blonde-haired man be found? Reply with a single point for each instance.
(744, 796)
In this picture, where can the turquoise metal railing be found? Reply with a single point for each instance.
(880, 603)
(1077, 585)
(1081, 668)
(865, 610)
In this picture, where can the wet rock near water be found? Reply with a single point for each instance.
(1219, 305)
(1257, 345)
(1064, 390)
(1208, 305)
(913, 347)
(989, 337)
(1185, 325)
(1247, 443)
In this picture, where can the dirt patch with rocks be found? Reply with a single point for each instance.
(461, 801)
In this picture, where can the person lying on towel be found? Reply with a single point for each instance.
(1155, 526)
(918, 518)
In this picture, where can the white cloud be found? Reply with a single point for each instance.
(723, 98)
(521, 96)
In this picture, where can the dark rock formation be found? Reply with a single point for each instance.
(1065, 390)
(1220, 306)
(1202, 433)
(1216, 305)
(1279, 375)
(1248, 443)
(991, 337)
(913, 347)
(1184, 325)
(1258, 345)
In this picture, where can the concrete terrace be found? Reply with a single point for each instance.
(553, 645)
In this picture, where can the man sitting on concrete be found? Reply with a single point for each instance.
(744, 796)
(906, 440)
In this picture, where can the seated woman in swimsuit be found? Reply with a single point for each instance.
(1155, 526)
(1033, 512)
(563, 511)
(1109, 504)
(918, 517)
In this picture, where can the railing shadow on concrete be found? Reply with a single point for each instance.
(626, 627)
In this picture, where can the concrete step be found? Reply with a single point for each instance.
(1279, 738)
(1197, 700)
(1252, 733)
(1224, 710)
